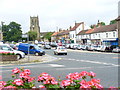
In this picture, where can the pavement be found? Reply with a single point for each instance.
(30, 59)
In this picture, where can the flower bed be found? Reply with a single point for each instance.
(7, 56)
(23, 80)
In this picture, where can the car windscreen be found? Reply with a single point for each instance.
(61, 48)
(37, 48)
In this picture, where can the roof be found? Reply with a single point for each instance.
(118, 18)
(106, 28)
(89, 31)
(82, 32)
(76, 26)
(63, 33)
(55, 33)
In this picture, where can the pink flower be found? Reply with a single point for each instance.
(41, 86)
(16, 70)
(83, 87)
(73, 76)
(95, 80)
(98, 85)
(23, 75)
(30, 79)
(2, 84)
(92, 74)
(83, 73)
(46, 82)
(66, 82)
(27, 71)
(10, 87)
(18, 82)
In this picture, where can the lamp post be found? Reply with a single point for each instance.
(75, 34)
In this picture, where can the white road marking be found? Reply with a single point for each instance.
(56, 65)
(92, 61)
(84, 68)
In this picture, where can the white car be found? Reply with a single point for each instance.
(7, 48)
(60, 50)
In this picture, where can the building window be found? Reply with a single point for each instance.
(99, 35)
(113, 34)
(106, 35)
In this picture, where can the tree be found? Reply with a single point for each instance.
(96, 25)
(32, 35)
(113, 22)
(12, 32)
(48, 36)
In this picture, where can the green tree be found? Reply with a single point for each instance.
(96, 25)
(32, 35)
(113, 22)
(48, 36)
(12, 32)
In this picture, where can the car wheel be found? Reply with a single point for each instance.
(18, 56)
(36, 54)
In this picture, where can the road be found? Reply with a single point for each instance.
(105, 65)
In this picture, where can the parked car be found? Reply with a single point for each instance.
(90, 48)
(67, 46)
(75, 46)
(117, 49)
(46, 46)
(31, 49)
(53, 44)
(60, 50)
(79, 47)
(105, 48)
(84, 47)
(14, 46)
(7, 48)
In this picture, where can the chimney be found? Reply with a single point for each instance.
(94, 26)
(99, 24)
(70, 27)
(82, 26)
(60, 29)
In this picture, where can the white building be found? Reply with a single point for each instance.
(102, 35)
(75, 30)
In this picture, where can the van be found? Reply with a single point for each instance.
(7, 48)
(31, 49)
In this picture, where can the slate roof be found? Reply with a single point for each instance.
(89, 31)
(82, 32)
(76, 26)
(105, 28)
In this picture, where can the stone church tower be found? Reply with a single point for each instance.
(34, 26)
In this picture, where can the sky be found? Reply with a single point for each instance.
(54, 14)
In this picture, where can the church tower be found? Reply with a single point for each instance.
(34, 26)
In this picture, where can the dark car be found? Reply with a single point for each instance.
(53, 44)
(46, 46)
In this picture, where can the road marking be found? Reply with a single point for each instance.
(56, 65)
(92, 61)
(83, 68)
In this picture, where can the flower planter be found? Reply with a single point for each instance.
(8, 57)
